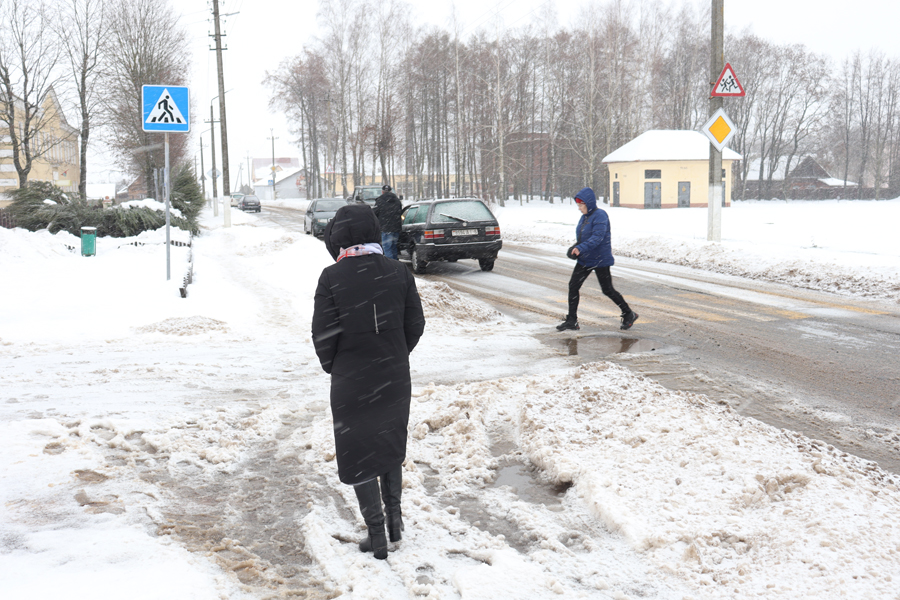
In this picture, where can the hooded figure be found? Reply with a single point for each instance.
(366, 320)
(388, 209)
(593, 251)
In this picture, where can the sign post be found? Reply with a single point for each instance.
(716, 60)
(166, 109)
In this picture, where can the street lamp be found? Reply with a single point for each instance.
(273, 138)
(212, 127)
(212, 145)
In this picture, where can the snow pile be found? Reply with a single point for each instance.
(184, 326)
(730, 506)
(152, 205)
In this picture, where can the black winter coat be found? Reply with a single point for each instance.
(388, 208)
(367, 319)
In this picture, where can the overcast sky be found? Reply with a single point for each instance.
(265, 32)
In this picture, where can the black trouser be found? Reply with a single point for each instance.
(579, 275)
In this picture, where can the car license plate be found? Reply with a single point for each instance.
(465, 232)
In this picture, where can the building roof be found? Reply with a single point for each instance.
(667, 144)
(835, 182)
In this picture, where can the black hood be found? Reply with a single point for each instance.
(353, 224)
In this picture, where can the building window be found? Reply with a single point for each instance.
(652, 174)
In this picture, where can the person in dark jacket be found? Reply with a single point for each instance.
(593, 251)
(367, 319)
(388, 208)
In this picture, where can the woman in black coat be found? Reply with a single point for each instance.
(367, 319)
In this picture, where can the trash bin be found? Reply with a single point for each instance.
(88, 241)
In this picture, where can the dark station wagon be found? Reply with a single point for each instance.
(447, 230)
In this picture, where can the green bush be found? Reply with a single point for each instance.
(71, 212)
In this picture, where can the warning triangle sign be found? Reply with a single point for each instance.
(165, 110)
(728, 84)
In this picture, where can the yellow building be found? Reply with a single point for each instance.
(57, 143)
(665, 169)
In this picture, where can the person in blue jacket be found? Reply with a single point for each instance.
(593, 251)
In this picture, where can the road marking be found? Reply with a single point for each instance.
(773, 314)
(703, 315)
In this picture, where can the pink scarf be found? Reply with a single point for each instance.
(360, 250)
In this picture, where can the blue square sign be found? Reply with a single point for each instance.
(166, 108)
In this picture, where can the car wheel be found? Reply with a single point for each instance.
(486, 264)
(418, 265)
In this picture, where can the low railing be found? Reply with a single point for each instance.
(7, 219)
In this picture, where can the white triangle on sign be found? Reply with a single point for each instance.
(165, 110)
(728, 84)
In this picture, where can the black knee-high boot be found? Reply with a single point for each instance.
(370, 507)
(391, 488)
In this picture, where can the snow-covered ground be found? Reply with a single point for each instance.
(158, 446)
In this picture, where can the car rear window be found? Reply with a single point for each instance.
(329, 205)
(463, 210)
(251, 199)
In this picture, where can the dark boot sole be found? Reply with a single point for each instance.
(628, 325)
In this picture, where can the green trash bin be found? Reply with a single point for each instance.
(88, 241)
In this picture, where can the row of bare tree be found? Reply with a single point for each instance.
(94, 55)
(533, 110)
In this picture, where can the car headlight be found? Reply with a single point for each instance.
(322, 221)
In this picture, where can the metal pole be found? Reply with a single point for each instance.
(212, 146)
(226, 189)
(716, 64)
(272, 135)
(202, 169)
(168, 193)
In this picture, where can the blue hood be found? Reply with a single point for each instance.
(587, 196)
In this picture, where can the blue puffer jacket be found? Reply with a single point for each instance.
(594, 247)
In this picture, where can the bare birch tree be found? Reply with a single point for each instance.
(148, 47)
(81, 27)
(29, 56)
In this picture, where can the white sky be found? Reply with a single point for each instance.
(265, 32)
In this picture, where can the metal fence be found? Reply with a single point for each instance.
(6, 219)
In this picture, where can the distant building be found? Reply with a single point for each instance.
(289, 184)
(665, 169)
(57, 141)
(807, 180)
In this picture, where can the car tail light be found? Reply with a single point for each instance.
(492, 231)
(434, 234)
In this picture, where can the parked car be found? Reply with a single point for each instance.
(236, 199)
(365, 193)
(319, 212)
(250, 203)
(447, 230)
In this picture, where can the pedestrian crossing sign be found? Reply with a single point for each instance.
(166, 108)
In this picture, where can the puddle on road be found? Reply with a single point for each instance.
(592, 347)
(527, 485)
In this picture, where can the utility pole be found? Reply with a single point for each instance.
(273, 138)
(716, 64)
(225, 181)
(202, 170)
(212, 144)
(328, 146)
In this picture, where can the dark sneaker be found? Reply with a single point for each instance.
(568, 324)
(629, 319)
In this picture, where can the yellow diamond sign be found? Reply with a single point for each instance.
(719, 129)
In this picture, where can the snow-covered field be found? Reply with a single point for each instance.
(158, 446)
